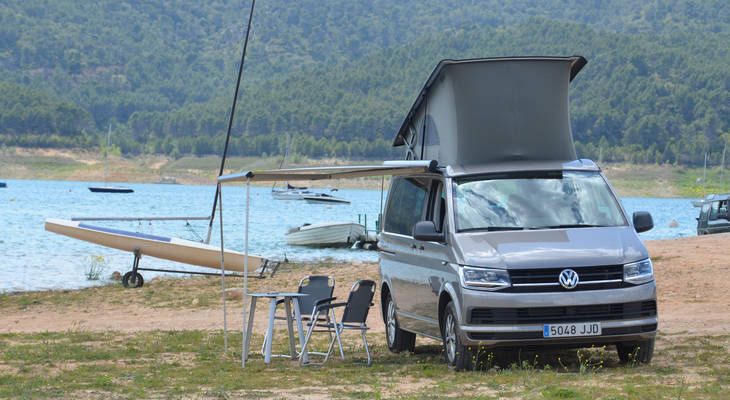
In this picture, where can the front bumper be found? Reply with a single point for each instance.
(518, 319)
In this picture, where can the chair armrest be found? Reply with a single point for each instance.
(331, 305)
(326, 300)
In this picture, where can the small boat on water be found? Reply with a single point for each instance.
(323, 198)
(3, 185)
(106, 188)
(110, 189)
(326, 234)
(291, 193)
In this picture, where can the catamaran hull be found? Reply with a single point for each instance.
(173, 249)
(326, 235)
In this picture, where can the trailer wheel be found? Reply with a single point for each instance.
(132, 280)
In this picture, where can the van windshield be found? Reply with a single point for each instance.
(542, 200)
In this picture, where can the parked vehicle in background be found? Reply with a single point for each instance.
(714, 216)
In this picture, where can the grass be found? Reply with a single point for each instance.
(191, 363)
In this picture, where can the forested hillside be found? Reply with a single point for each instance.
(340, 75)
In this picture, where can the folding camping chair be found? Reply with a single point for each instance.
(354, 317)
(318, 287)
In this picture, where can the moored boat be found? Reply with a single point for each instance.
(326, 234)
(323, 198)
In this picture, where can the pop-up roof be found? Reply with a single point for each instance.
(493, 110)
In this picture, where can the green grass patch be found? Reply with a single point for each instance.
(192, 363)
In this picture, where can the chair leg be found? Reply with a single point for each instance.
(306, 342)
(367, 350)
(332, 344)
(337, 334)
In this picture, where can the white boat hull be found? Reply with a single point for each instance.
(173, 249)
(290, 194)
(328, 234)
(325, 199)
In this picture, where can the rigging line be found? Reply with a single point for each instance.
(230, 121)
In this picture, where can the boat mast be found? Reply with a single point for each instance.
(230, 121)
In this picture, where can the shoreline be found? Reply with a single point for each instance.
(629, 180)
(690, 289)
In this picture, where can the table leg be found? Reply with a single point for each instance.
(298, 316)
(270, 330)
(251, 314)
(292, 346)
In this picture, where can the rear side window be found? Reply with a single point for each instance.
(405, 205)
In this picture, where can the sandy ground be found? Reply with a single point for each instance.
(691, 274)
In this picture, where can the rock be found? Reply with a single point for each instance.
(195, 302)
(116, 276)
(673, 224)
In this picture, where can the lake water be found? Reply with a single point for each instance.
(33, 259)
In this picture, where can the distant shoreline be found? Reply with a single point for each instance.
(629, 180)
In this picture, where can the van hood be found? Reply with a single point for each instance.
(552, 248)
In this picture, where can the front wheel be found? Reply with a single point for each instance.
(636, 352)
(132, 280)
(398, 339)
(457, 355)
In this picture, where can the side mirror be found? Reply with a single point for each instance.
(426, 231)
(643, 221)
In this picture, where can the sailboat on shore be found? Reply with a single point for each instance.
(106, 188)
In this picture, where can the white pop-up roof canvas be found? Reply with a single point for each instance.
(493, 110)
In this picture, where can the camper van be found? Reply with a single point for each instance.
(511, 241)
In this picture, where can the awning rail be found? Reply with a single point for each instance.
(391, 168)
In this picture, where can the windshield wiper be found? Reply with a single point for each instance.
(493, 228)
(566, 226)
(504, 228)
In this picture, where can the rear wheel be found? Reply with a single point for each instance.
(456, 353)
(398, 339)
(636, 352)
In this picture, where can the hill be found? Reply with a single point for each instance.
(340, 75)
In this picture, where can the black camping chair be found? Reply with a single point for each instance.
(318, 288)
(354, 316)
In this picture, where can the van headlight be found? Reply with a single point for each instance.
(483, 278)
(639, 272)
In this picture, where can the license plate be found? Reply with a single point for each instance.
(572, 329)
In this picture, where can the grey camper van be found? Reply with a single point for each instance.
(511, 241)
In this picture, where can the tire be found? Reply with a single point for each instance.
(132, 280)
(457, 355)
(636, 352)
(398, 340)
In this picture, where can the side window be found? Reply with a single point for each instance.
(405, 205)
(714, 210)
(722, 210)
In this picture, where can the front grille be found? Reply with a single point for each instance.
(542, 280)
(549, 315)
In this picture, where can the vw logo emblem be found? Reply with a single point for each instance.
(568, 279)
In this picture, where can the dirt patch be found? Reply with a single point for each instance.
(691, 275)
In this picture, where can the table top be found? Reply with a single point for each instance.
(277, 294)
